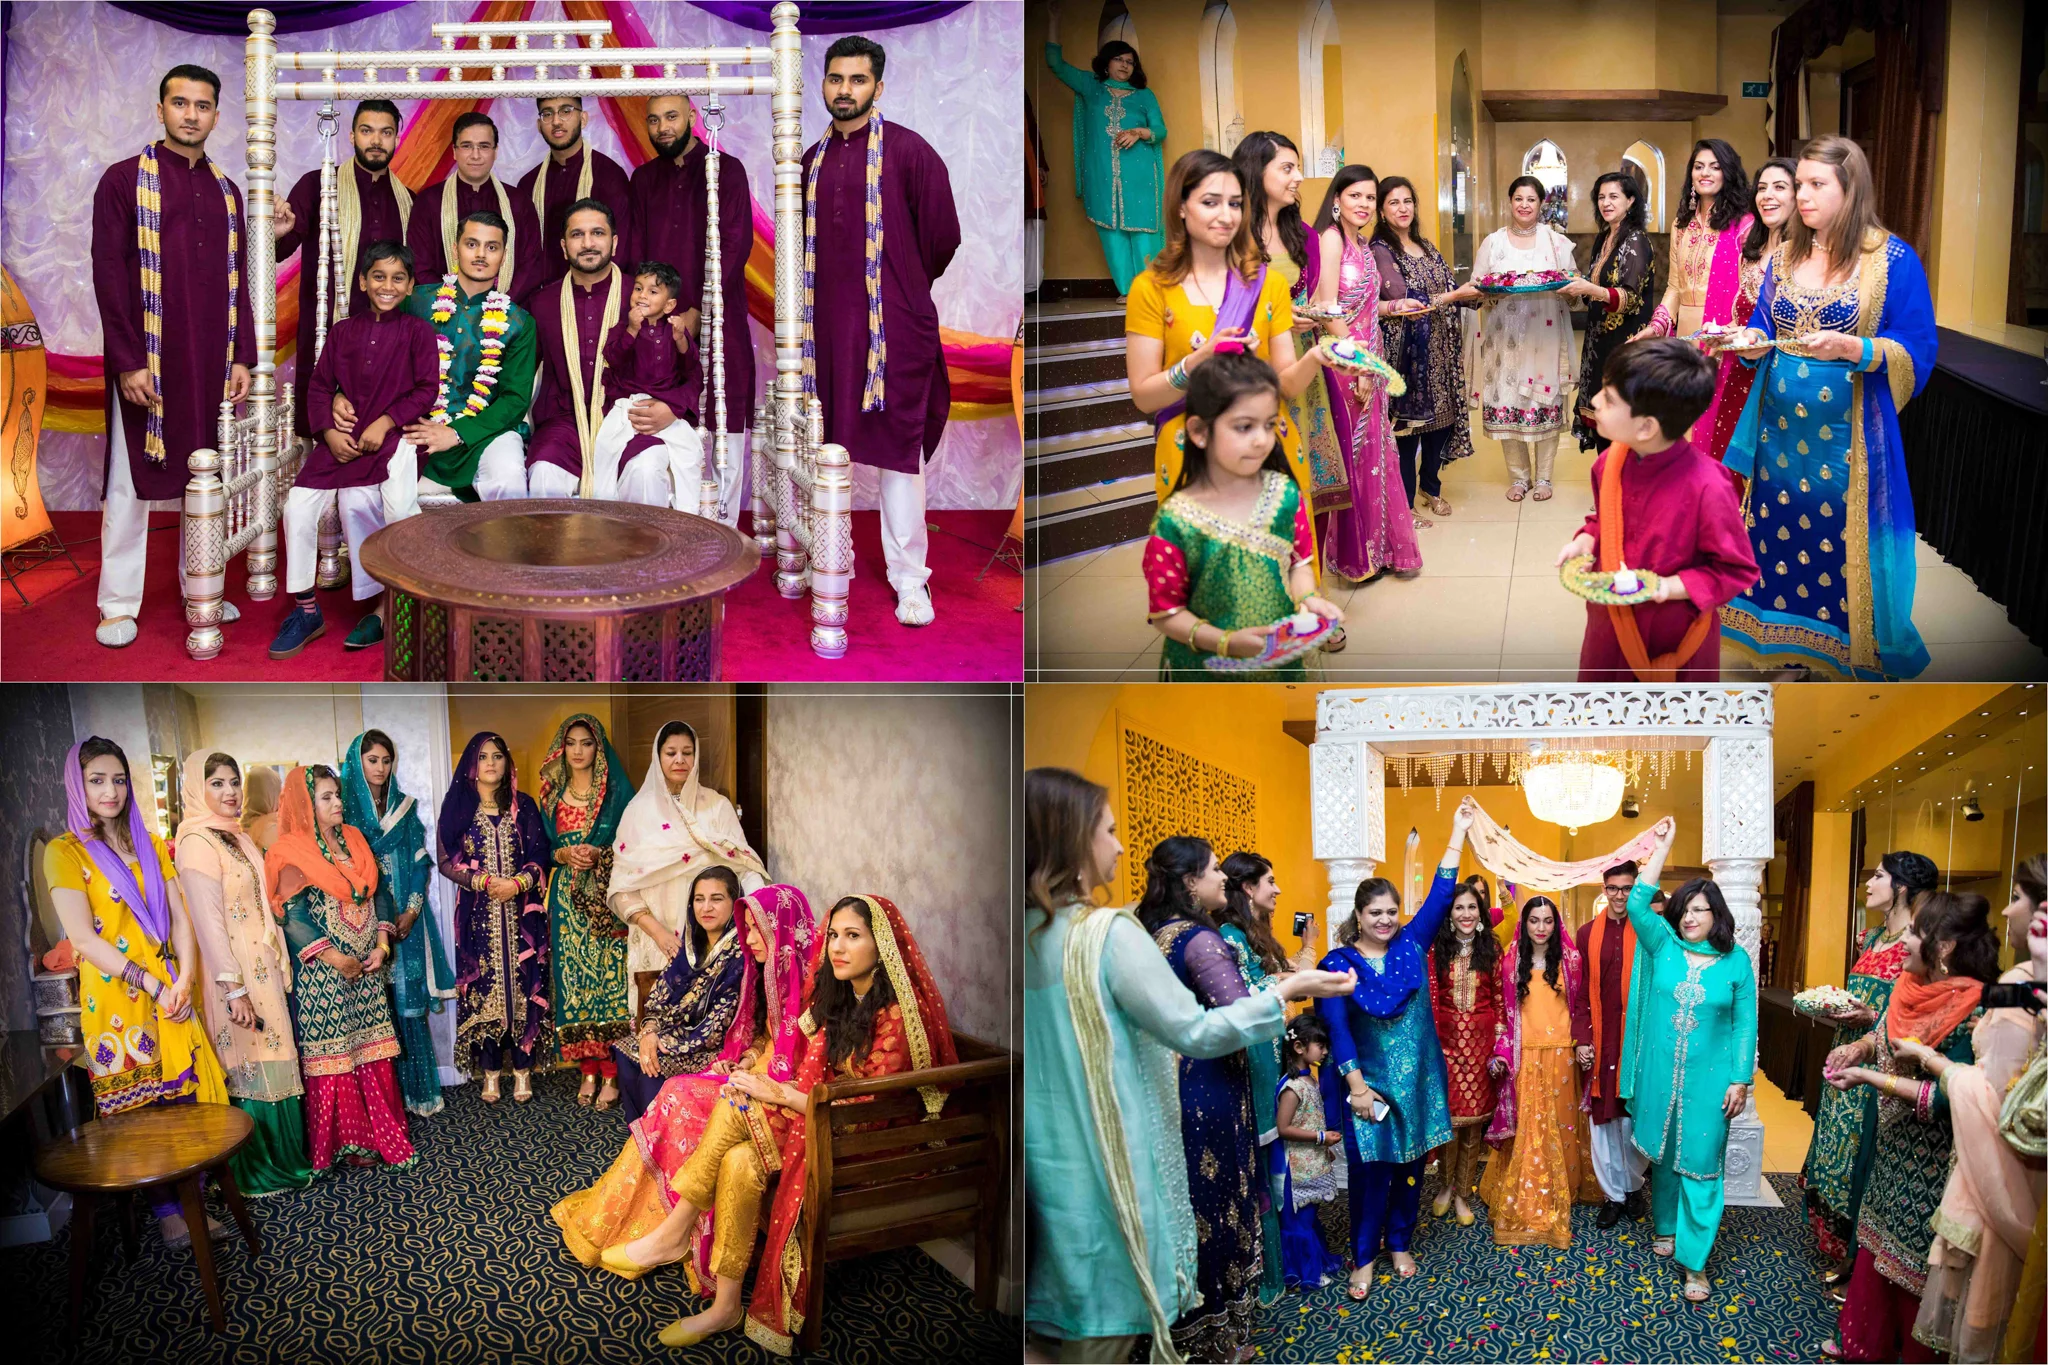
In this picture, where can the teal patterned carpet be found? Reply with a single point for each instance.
(1605, 1299)
(452, 1260)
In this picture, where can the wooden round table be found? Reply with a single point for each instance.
(165, 1144)
(555, 590)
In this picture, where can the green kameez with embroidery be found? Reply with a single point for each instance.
(1231, 574)
(1913, 1151)
(1122, 189)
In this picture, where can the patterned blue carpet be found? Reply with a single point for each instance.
(1606, 1299)
(452, 1260)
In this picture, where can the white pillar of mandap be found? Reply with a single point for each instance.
(1736, 842)
(1348, 820)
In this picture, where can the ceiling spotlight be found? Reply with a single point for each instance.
(1971, 810)
(1630, 809)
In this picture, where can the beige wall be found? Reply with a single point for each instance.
(527, 719)
(1977, 138)
(1745, 55)
(257, 725)
(1590, 150)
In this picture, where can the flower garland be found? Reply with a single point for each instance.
(497, 321)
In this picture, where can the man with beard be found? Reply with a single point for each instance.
(576, 319)
(669, 198)
(177, 333)
(571, 172)
(371, 205)
(871, 346)
(471, 441)
(472, 187)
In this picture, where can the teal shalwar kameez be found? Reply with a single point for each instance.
(1691, 1033)
(1124, 190)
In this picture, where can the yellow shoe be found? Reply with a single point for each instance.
(618, 1262)
(677, 1336)
(1466, 1218)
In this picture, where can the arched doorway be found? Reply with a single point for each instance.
(1546, 162)
(1222, 82)
(1648, 164)
(1322, 89)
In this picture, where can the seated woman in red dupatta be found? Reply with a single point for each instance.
(875, 1011)
(761, 971)
(321, 880)
(1544, 1148)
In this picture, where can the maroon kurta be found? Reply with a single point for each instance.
(920, 233)
(386, 365)
(423, 232)
(668, 208)
(1612, 1007)
(381, 223)
(607, 182)
(554, 439)
(650, 363)
(194, 368)
(1680, 516)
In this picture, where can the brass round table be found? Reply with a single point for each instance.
(555, 590)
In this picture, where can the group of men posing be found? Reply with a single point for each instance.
(538, 341)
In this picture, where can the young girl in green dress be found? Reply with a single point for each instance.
(1232, 552)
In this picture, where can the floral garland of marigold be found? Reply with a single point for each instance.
(497, 321)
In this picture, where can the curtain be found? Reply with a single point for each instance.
(853, 16)
(1904, 169)
(199, 16)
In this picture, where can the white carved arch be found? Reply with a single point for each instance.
(1222, 85)
(1322, 146)
(1649, 164)
(1357, 728)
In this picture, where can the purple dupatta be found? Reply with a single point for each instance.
(150, 901)
(1240, 303)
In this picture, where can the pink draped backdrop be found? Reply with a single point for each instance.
(957, 80)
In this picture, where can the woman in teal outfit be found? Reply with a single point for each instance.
(1250, 895)
(420, 976)
(1119, 166)
(1111, 1236)
(1688, 1053)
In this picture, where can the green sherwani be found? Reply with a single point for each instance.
(456, 466)
(1121, 190)
(1690, 1034)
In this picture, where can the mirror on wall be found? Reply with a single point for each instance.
(1546, 162)
(1454, 196)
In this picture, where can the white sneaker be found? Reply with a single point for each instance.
(229, 612)
(914, 607)
(116, 631)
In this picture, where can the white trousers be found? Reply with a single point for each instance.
(905, 539)
(1616, 1161)
(364, 511)
(645, 479)
(124, 531)
(501, 468)
(681, 452)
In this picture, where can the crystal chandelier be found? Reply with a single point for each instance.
(1574, 787)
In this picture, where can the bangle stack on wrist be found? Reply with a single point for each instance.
(1177, 375)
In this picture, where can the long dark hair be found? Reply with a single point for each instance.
(1369, 890)
(848, 1020)
(1964, 918)
(1346, 177)
(1240, 870)
(1252, 156)
(1553, 952)
(700, 940)
(1633, 219)
(1061, 810)
(1212, 389)
(1112, 50)
(1734, 199)
(1384, 232)
(1759, 234)
(1722, 933)
(1485, 947)
(1167, 868)
(501, 795)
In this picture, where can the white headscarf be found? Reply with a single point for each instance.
(662, 837)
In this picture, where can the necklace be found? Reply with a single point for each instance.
(496, 322)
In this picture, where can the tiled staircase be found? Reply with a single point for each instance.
(1087, 449)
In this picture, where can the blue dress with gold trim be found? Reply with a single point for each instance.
(1829, 511)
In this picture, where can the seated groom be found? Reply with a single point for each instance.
(582, 312)
(473, 441)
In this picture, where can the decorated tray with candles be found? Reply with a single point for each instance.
(1298, 635)
(1523, 281)
(1354, 359)
(1623, 588)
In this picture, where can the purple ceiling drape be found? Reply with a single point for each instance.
(219, 19)
(852, 16)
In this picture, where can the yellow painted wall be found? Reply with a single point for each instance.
(1745, 55)
(1591, 45)
(1828, 900)
(1686, 45)
(1977, 141)
(527, 719)
(1590, 150)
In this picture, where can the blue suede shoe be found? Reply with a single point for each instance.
(300, 628)
(369, 631)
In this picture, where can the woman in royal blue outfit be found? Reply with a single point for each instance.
(1384, 1051)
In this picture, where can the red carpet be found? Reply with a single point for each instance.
(978, 635)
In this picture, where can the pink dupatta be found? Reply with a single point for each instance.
(1724, 290)
(1507, 1048)
(674, 1123)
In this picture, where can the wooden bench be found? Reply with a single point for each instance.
(878, 1190)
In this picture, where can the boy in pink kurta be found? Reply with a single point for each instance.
(1681, 517)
